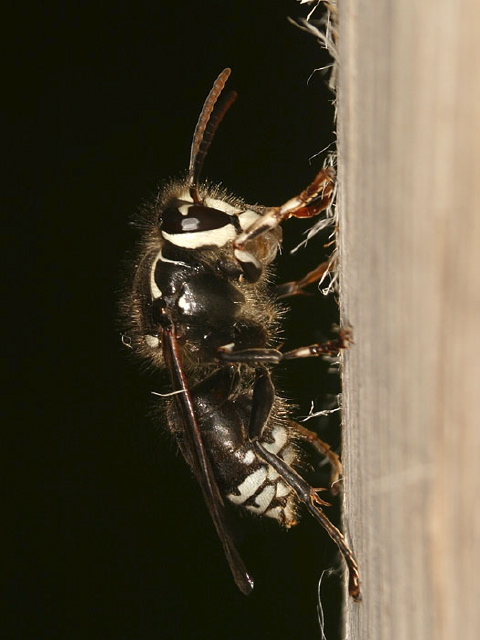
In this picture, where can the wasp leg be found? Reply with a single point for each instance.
(310, 202)
(328, 348)
(308, 496)
(262, 403)
(324, 450)
(295, 288)
(251, 356)
(274, 356)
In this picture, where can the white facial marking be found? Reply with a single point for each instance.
(185, 195)
(184, 209)
(213, 237)
(249, 486)
(247, 218)
(263, 500)
(152, 341)
(279, 435)
(221, 206)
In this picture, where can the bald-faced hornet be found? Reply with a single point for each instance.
(202, 307)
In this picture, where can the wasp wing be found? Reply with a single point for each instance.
(196, 455)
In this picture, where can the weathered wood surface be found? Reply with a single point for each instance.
(409, 201)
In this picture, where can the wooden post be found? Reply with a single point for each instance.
(409, 206)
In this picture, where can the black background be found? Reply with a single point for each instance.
(110, 538)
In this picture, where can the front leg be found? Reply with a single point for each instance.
(310, 202)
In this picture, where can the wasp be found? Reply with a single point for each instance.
(201, 306)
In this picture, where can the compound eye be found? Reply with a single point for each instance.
(186, 217)
(194, 226)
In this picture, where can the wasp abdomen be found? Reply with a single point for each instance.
(224, 411)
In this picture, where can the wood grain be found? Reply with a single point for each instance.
(409, 203)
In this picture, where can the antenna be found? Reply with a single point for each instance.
(208, 121)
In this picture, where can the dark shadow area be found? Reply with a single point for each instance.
(110, 538)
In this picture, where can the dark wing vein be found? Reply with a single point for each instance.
(199, 460)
